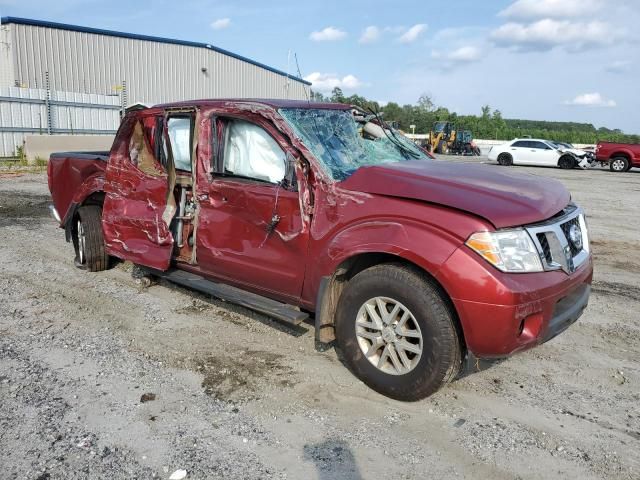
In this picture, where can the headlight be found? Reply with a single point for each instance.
(508, 250)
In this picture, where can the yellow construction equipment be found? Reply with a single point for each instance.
(444, 138)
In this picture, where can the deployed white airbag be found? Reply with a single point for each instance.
(179, 133)
(251, 152)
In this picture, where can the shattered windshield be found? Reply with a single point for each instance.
(343, 145)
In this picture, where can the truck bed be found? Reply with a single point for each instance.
(102, 156)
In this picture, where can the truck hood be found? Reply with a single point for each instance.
(503, 198)
(575, 151)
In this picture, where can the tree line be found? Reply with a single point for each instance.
(488, 125)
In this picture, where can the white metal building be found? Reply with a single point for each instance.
(138, 67)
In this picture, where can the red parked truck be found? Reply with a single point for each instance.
(620, 156)
(295, 210)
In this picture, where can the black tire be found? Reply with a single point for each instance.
(619, 164)
(442, 147)
(90, 252)
(440, 359)
(567, 162)
(505, 159)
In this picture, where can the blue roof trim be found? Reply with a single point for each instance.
(149, 38)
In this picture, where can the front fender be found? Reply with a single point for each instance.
(424, 245)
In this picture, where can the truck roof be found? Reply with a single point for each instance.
(273, 103)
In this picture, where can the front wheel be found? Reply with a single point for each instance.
(396, 332)
(567, 162)
(619, 164)
(88, 240)
(442, 147)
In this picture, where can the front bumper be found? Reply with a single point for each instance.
(502, 313)
(567, 311)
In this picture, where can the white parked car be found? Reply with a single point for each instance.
(533, 151)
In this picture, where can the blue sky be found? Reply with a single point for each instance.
(573, 60)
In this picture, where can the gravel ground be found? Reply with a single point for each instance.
(102, 379)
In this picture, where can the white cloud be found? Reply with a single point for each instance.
(460, 56)
(328, 34)
(591, 100)
(413, 33)
(619, 66)
(531, 9)
(548, 33)
(465, 54)
(370, 34)
(325, 82)
(221, 23)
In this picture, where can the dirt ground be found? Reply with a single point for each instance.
(238, 396)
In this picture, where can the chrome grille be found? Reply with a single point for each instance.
(553, 240)
(565, 229)
(546, 249)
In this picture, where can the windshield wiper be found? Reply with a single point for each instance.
(395, 140)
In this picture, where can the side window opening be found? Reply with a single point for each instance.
(180, 131)
(141, 152)
(159, 145)
(251, 152)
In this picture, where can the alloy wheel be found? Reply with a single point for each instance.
(618, 165)
(389, 335)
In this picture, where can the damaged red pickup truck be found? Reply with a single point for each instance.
(296, 209)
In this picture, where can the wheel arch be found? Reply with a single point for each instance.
(331, 288)
(93, 198)
(621, 153)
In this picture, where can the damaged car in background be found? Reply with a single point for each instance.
(532, 151)
(307, 212)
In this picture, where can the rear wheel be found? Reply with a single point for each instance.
(88, 240)
(567, 162)
(619, 164)
(505, 159)
(396, 332)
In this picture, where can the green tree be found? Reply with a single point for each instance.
(317, 97)
(337, 96)
(489, 124)
(425, 103)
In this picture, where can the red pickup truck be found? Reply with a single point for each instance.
(300, 209)
(620, 156)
